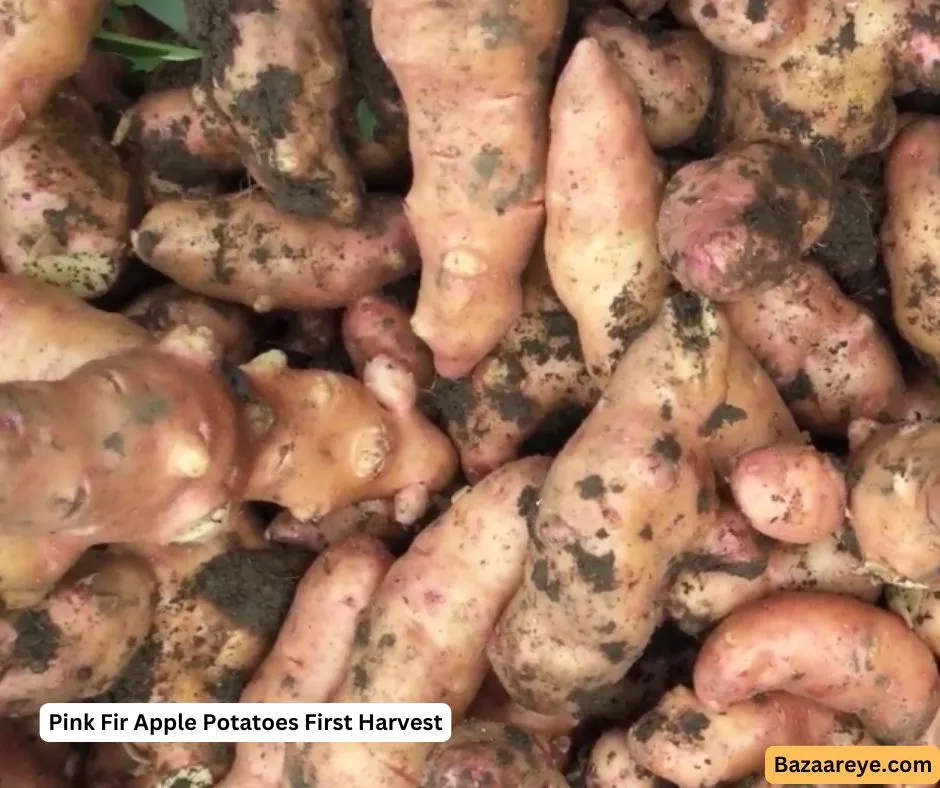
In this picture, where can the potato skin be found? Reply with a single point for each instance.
(23, 762)
(827, 355)
(846, 654)
(48, 332)
(241, 248)
(423, 637)
(603, 191)
(477, 101)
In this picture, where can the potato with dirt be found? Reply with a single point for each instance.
(372, 517)
(75, 643)
(734, 225)
(671, 69)
(181, 145)
(920, 608)
(49, 332)
(846, 654)
(894, 494)
(240, 248)
(603, 190)
(41, 45)
(320, 441)
(422, 640)
(490, 755)
(631, 491)
(908, 234)
(309, 660)
(475, 78)
(277, 72)
(828, 356)
(537, 371)
(691, 746)
(65, 201)
(141, 446)
(163, 308)
(735, 564)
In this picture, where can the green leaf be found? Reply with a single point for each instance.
(172, 13)
(366, 121)
(144, 55)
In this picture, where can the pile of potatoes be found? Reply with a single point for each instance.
(577, 366)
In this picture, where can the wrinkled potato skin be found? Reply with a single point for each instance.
(241, 248)
(909, 236)
(277, 72)
(100, 613)
(43, 42)
(164, 308)
(322, 441)
(477, 101)
(894, 495)
(631, 491)
(827, 355)
(65, 201)
(603, 190)
(309, 660)
(733, 225)
(47, 332)
(437, 604)
(490, 755)
(736, 565)
(154, 457)
(846, 654)
(683, 742)
(672, 71)
(535, 371)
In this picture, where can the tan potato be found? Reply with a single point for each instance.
(736, 565)
(791, 493)
(893, 499)
(490, 755)
(375, 518)
(611, 765)
(48, 332)
(734, 225)
(141, 446)
(629, 493)
(163, 308)
(475, 78)
(65, 201)
(603, 190)
(828, 357)
(691, 746)
(920, 609)
(422, 639)
(75, 643)
(847, 655)
(321, 441)
(31, 566)
(241, 248)
(672, 71)
(277, 71)
(537, 371)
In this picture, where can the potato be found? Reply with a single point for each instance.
(601, 209)
(241, 248)
(846, 654)
(422, 639)
(23, 763)
(375, 518)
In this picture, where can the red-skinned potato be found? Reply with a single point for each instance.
(672, 71)
(828, 357)
(241, 248)
(477, 101)
(845, 654)
(423, 637)
(154, 460)
(308, 662)
(49, 332)
(74, 644)
(601, 208)
(321, 441)
(65, 200)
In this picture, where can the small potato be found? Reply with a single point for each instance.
(791, 493)
(612, 766)
(847, 655)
